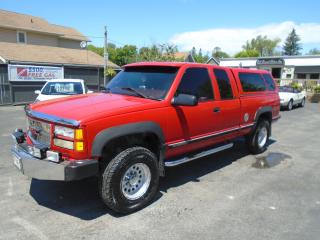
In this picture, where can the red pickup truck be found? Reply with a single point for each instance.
(151, 116)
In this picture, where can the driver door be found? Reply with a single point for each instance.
(191, 122)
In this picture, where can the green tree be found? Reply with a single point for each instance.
(247, 53)
(218, 53)
(98, 50)
(314, 51)
(199, 57)
(292, 46)
(262, 44)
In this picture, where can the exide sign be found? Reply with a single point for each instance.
(34, 73)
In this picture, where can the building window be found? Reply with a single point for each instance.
(301, 76)
(314, 75)
(21, 37)
(288, 76)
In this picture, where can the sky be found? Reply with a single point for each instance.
(203, 24)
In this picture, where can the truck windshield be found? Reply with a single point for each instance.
(147, 82)
(62, 88)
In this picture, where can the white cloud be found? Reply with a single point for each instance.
(230, 40)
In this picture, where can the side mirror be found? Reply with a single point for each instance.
(37, 92)
(185, 100)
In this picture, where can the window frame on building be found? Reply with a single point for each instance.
(25, 37)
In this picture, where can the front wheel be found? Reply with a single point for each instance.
(130, 181)
(258, 139)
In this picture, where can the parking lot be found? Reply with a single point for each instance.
(225, 196)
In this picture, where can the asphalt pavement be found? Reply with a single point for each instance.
(229, 195)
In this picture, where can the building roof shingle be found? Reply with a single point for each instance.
(47, 54)
(13, 20)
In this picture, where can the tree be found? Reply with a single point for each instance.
(314, 51)
(292, 46)
(247, 53)
(263, 45)
(218, 53)
(198, 56)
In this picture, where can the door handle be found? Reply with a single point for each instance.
(216, 109)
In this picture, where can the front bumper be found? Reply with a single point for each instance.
(43, 169)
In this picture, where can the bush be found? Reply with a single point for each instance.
(317, 89)
(296, 86)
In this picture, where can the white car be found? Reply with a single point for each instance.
(58, 88)
(290, 97)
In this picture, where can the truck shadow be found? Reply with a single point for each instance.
(81, 199)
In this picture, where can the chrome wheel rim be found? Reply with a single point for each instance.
(290, 105)
(262, 137)
(303, 102)
(136, 181)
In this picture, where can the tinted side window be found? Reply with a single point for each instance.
(223, 83)
(269, 82)
(196, 81)
(252, 82)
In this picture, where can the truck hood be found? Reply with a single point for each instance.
(89, 107)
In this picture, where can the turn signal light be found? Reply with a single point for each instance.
(78, 134)
(79, 146)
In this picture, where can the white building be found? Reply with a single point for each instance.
(301, 69)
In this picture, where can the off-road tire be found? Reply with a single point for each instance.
(110, 180)
(252, 139)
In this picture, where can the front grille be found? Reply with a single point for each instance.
(40, 131)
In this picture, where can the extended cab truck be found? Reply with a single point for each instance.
(151, 116)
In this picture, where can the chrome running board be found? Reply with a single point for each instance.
(198, 155)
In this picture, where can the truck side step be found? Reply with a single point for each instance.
(198, 155)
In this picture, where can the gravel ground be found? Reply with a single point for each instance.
(224, 196)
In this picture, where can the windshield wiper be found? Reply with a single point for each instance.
(134, 91)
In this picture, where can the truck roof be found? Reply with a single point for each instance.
(180, 64)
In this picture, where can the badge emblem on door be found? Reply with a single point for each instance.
(246, 117)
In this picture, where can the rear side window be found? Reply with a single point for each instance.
(252, 82)
(223, 83)
(269, 82)
(196, 81)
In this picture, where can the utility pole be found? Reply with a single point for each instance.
(105, 55)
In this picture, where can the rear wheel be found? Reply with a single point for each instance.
(130, 181)
(303, 102)
(290, 105)
(258, 139)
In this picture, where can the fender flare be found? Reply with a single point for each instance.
(260, 111)
(108, 134)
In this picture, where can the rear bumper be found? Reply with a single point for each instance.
(43, 169)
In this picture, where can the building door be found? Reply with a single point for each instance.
(276, 73)
(5, 93)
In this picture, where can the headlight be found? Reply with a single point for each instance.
(64, 131)
(63, 143)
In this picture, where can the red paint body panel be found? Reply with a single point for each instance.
(99, 111)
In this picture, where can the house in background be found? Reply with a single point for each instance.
(32, 51)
